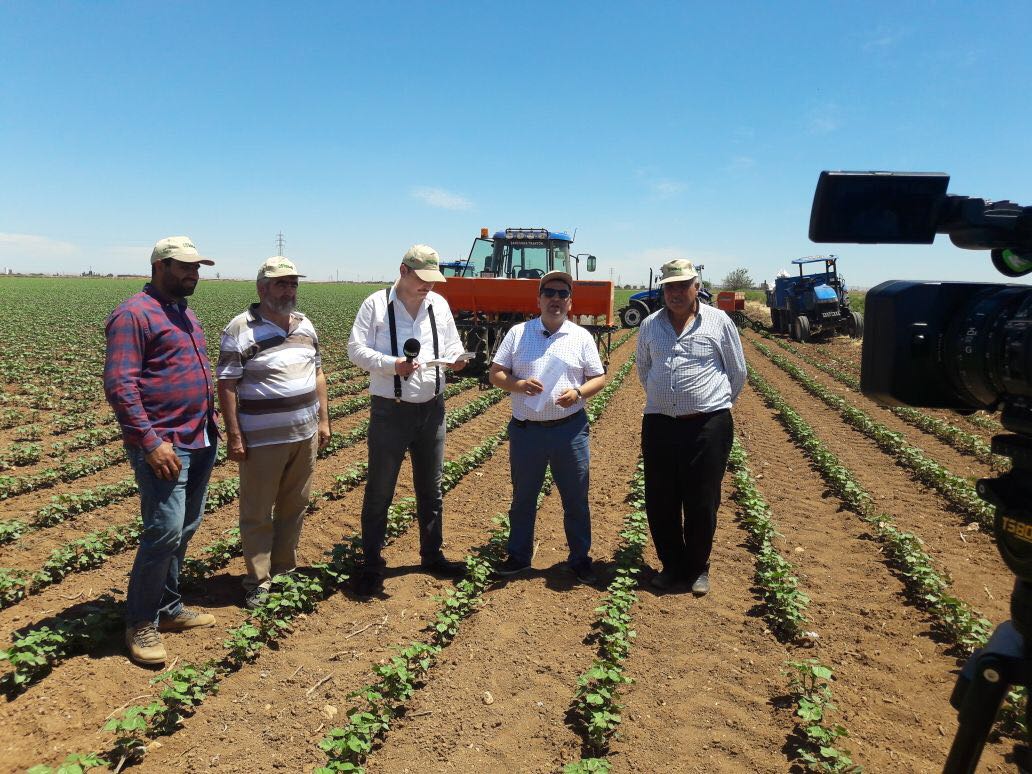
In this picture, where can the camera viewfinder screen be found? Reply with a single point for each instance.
(871, 207)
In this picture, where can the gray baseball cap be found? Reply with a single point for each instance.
(278, 266)
(677, 270)
(179, 248)
(425, 262)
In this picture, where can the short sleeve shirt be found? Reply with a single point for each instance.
(526, 352)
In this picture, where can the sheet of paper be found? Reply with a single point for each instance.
(549, 377)
(464, 357)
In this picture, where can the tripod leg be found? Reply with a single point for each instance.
(980, 701)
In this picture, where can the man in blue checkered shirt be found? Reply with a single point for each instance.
(691, 364)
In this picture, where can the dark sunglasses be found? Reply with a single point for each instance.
(563, 293)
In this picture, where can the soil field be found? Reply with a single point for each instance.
(702, 684)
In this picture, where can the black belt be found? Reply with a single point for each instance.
(701, 415)
(546, 422)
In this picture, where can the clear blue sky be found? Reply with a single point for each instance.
(657, 130)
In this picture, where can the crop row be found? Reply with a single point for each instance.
(958, 491)
(384, 701)
(962, 441)
(814, 740)
(34, 653)
(926, 588)
(96, 548)
(11, 486)
(293, 594)
(595, 709)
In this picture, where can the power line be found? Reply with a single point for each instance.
(279, 243)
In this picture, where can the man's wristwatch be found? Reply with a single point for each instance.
(579, 393)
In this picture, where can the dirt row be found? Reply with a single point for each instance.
(55, 724)
(32, 549)
(709, 690)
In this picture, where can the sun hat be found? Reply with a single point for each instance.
(179, 248)
(278, 266)
(677, 270)
(557, 276)
(425, 262)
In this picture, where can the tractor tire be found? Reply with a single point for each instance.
(856, 325)
(775, 321)
(801, 329)
(631, 316)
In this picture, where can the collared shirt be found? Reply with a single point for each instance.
(526, 352)
(276, 369)
(698, 371)
(157, 377)
(369, 346)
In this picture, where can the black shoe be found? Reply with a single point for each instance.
(700, 586)
(585, 574)
(511, 567)
(368, 583)
(664, 580)
(445, 568)
(256, 597)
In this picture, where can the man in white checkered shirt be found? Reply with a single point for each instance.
(551, 366)
(691, 364)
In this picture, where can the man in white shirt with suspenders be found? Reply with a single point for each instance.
(407, 409)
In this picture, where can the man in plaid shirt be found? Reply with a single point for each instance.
(158, 381)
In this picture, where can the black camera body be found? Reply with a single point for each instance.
(955, 345)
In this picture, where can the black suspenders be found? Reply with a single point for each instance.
(394, 345)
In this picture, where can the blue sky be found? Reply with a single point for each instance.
(657, 130)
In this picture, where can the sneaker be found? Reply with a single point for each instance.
(700, 586)
(368, 583)
(144, 643)
(256, 597)
(664, 580)
(585, 574)
(444, 567)
(511, 567)
(185, 619)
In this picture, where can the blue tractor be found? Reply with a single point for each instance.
(814, 303)
(642, 304)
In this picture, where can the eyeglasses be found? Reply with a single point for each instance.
(562, 293)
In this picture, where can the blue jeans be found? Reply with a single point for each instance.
(171, 511)
(565, 448)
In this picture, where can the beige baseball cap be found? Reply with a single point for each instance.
(278, 266)
(180, 248)
(557, 276)
(677, 270)
(425, 262)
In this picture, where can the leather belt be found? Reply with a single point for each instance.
(701, 415)
(546, 422)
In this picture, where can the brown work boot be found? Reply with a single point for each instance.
(144, 643)
(186, 619)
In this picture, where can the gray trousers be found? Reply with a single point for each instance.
(395, 428)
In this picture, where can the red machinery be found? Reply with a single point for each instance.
(497, 288)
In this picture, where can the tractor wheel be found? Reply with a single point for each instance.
(801, 329)
(631, 316)
(775, 321)
(856, 325)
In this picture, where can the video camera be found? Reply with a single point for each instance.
(956, 345)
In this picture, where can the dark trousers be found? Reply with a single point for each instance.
(685, 460)
(395, 428)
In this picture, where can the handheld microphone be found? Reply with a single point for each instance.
(410, 350)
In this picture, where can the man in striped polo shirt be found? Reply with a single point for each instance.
(273, 396)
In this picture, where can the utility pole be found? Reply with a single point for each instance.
(279, 243)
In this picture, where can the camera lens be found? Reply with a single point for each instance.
(989, 346)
